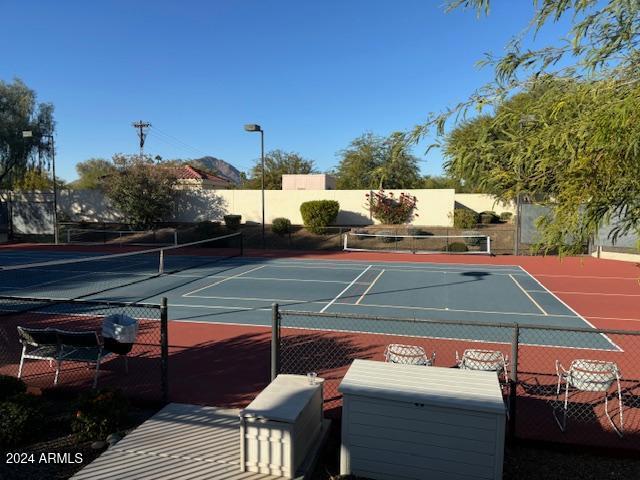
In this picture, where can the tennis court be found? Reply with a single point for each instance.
(203, 286)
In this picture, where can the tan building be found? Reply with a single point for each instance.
(311, 181)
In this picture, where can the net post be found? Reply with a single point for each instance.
(513, 381)
(489, 244)
(344, 245)
(69, 235)
(164, 350)
(275, 340)
(175, 237)
(161, 262)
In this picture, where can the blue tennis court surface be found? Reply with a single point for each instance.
(241, 290)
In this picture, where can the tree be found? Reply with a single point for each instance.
(563, 121)
(373, 162)
(445, 181)
(278, 163)
(33, 179)
(142, 190)
(19, 112)
(93, 174)
(574, 145)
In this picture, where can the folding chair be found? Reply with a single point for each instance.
(486, 361)
(408, 355)
(589, 376)
(38, 344)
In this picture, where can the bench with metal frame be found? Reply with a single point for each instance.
(61, 346)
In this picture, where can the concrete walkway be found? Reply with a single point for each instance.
(179, 442)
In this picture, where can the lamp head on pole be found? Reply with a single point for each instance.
(252, 127)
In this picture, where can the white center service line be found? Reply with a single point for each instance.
(369, 287)
(223, 280)
(528, 295)
(345, 289)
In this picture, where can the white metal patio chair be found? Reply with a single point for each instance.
(408, 355)
(589, 376)
(486, 361)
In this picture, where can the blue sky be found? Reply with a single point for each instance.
(314, 74)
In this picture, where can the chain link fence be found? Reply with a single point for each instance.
(57, 344)
(570, 385)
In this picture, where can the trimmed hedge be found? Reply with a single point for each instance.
(464, 218)
(456, 247)
(506, 216)
(232, 221)
(100, 413)
(281, 226)
(488, 217)
(318, 214)
(20, 416)
(10, 387)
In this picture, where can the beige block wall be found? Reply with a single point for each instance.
(435, 207)
(480, 202)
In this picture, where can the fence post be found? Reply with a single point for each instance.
(164, 350)
(275, 341)
(513, 380)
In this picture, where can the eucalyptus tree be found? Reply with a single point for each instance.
(559, 123)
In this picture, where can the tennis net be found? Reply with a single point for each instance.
(423, 244)
(84, 276)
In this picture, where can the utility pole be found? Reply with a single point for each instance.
(142, 134)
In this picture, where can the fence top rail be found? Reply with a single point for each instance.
(81, 301)
(351, 234)
(98, 230)
(510, 325)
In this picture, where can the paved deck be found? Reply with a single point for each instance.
(180, 442)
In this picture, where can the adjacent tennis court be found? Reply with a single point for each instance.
(220, 286)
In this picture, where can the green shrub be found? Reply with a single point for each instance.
(318, 214)
(488, 217)
(464, 218)
(100, 413)
(506, 216)
(19, 417)
(456, 247)
(10, 387)
(232, 222)
(207, 229)
(281, 226)
(473, 240)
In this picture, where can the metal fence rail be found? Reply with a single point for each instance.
(561, 383)
(143, 376)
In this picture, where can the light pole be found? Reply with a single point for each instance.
(252, 127)
(29, 134)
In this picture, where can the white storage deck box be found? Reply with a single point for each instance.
(281, 425)
(415, 422)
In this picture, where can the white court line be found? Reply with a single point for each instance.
(280, 279)
(337, 261)
(259, 299)
(529, 296)
(596, 277)
(562, 302)
(436, 309)
(225, 279)
(594, 293)
(401, 265)
(345, 289)
(370, 287)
